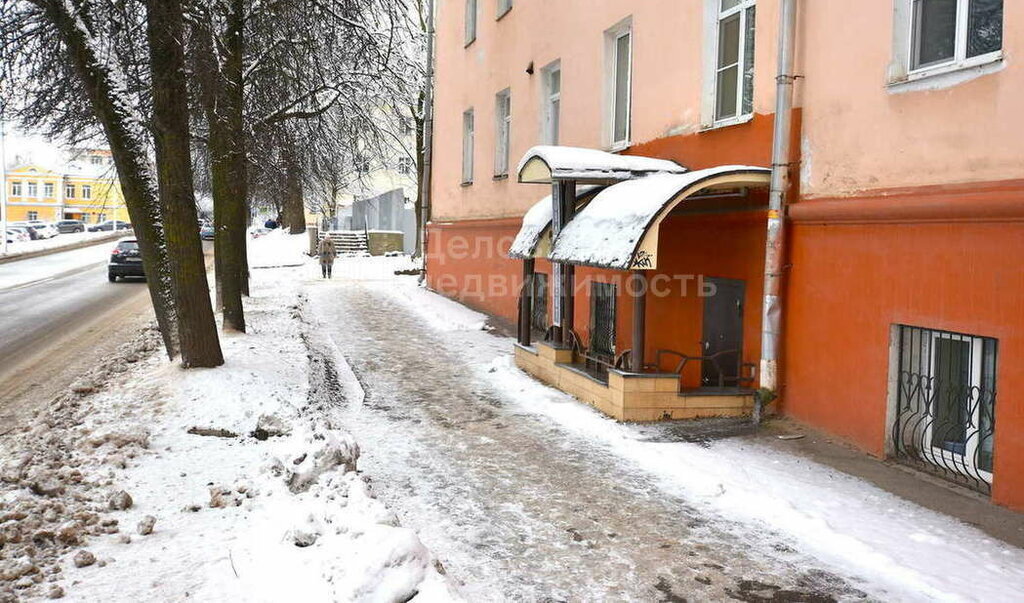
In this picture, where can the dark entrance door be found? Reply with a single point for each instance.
(723, 333)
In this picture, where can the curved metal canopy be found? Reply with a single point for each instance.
(534, 237)
(547, 164)
(619, 228)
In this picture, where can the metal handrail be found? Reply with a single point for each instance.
(713, 358)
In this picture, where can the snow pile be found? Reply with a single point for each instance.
(278, 249)
(57, 484)
(575, 163)
(22, 272)
(64, 240)
(608, 230)
(235, 483)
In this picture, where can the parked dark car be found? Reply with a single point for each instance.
(66, 226)
(207, 232)
(125, 260)
(110, 225)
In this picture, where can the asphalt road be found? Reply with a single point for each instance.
(55, 329)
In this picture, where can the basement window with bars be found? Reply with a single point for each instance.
(945, 403)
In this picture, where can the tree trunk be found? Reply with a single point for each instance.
(197, 328)
(294, 207)
(104, 85)
(221, 94)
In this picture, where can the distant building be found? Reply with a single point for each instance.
(84, 188)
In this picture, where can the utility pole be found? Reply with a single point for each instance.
(3, 182)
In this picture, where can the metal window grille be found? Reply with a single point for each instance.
(540, 302)
(946, 396)
(602, 319)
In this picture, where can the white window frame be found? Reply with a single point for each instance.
(32, 215)
(901, 69)
(32, 189)
(941, 456)
(86, 191)
(502, 132)
(69, 191)
(504, 6)
(471, 17)
(468, 144)
(713, 16)
(550, 134)
(612, 37)
(48, 190)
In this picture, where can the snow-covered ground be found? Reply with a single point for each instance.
(882, 545)
(21, 272)
(245, 469)
(474, 480)
(63, 240)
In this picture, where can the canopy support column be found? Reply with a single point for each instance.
(567, 198)
(526, 304)
(639, 292)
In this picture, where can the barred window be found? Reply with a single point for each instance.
(602, 319)
(945, 416)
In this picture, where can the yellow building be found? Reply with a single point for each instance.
(85, 189)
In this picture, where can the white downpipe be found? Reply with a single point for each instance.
(771, 320)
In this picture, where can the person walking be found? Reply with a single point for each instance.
(327, 253)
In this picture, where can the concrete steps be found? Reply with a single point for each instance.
(349, 242)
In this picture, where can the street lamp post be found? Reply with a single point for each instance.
(3, 187)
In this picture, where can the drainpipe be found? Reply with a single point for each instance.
(771, 319)
(428, 142)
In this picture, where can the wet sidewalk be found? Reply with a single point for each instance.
(518, 508)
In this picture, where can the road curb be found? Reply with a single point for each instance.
(79, 245)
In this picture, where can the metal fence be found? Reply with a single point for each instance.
(946, 396)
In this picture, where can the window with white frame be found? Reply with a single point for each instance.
(502, 131)
(952, 33)
(15, 188)
(33, 190)
(69, 191)
(86, 191)
(552, 75)
(471, 10)
(48, 189)
(467, 147)
(405, 165)
(503, 7)
(619, 56)
(733, 37)
(32, 215)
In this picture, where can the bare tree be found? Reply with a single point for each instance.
(198, 328)
(53, 42)
(218, 50)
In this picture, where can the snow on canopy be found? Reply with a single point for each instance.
(535, 222)
(608, 230)
(574, 163)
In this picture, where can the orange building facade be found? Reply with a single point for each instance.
(903, 325)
